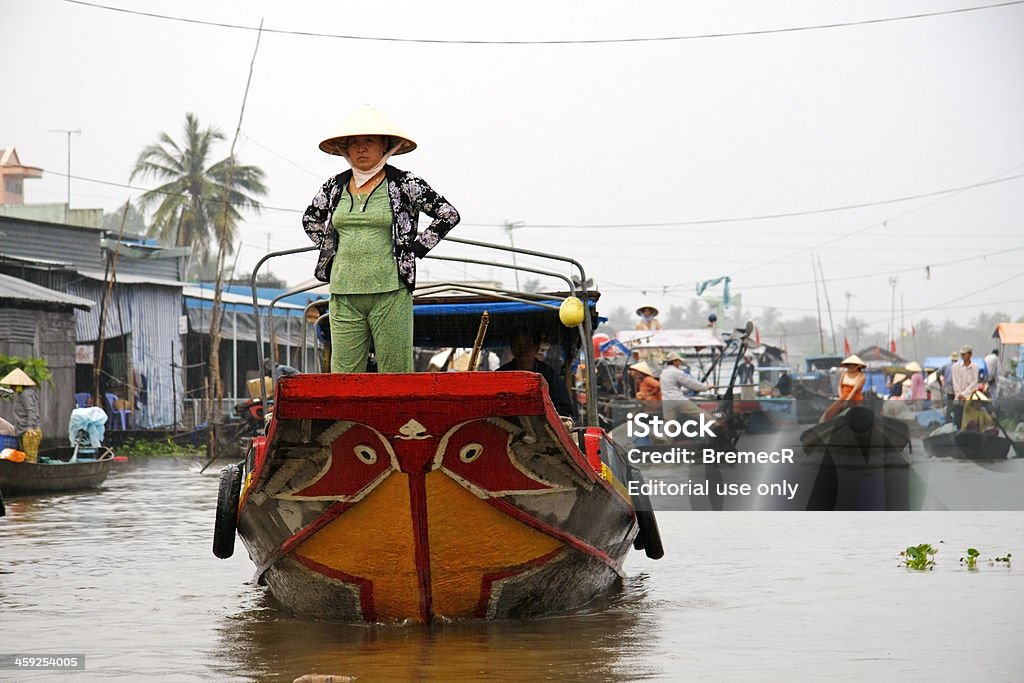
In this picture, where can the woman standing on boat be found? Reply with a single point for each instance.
(365, 222)
(851, 387)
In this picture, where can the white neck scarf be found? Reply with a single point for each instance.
(363, 177)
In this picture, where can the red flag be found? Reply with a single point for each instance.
(757, 335)
(892, 346)
(846, 347)
(913, 330)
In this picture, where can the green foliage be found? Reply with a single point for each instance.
(197, 204)
(920, 557)
(36, 368)
(146, 448)
(134, 221)
(972, 558)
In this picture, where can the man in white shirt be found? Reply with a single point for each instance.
(993, 366)
(965, 381)
(674, 384)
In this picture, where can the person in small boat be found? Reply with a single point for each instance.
(675, 384)
(785, 384)
(745, 377)
(525, 356)
(895, 385)
(647, 387)
(966, 378)
(851, 387)
(918, 391)
(27, 421)
(947, 385)
(648, 322)
(648, 318)
(364, 220)
(994, 367)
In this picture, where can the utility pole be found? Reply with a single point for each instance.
(509, 227)
(76, 131)
(846, 318)
(817, 299)
(892, 311)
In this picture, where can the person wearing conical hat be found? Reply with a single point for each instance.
(918, 390)
(648, 318)
(364, 220)
(27, 422)
(648, 322)
(647, 387)
(851, 387)
(676, 384)
(966, 378)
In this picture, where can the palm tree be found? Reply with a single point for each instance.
(198, 203)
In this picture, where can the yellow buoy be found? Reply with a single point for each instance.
(570, 312)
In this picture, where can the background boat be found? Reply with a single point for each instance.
(54, 472)
(967, 444)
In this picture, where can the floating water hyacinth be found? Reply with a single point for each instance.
(972, 558)
(919, 557)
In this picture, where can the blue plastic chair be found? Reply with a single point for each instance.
(124, 412)
(82, 400)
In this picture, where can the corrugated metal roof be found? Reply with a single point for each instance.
(42, 241)
(15, 289)
(130, 278)
(37, 262)
(203, 294)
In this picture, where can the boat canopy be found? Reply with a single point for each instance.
(1010, 333)
(448, 322)
(670, 339)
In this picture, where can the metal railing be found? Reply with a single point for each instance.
(534, 299)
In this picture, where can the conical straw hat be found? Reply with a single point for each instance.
(854, 360)
(17, 378)
(366, 121)
(914, 366)
(643, 367)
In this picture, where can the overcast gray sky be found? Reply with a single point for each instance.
(586, 136)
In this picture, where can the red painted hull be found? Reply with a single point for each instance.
(413, 497)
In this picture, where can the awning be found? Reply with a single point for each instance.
(16, 289)
(1010, 333)
(669, 339)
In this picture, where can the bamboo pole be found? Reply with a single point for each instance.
(111, 278)
(216, 395)
(481, 332)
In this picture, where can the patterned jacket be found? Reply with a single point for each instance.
(408, 195)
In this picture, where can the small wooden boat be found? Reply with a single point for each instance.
(54, 472)
(421, 496)
(418, 496)
(967, 444)
(858, 438)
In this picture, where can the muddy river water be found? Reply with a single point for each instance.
(125, 576)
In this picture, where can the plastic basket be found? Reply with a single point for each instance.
(8, 442)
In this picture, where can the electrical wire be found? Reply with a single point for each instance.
(588, 41)
(709, 221)
(772, 216)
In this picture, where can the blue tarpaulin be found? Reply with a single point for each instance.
(423, 308)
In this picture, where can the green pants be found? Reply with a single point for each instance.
(385, 319)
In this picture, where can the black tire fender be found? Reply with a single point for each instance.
(227, 511)
(648, 537)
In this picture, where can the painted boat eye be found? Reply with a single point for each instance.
(366, 454)
(470, 452)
